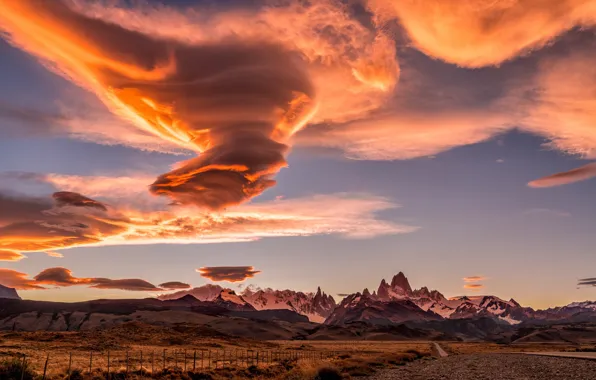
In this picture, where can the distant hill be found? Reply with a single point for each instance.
(6, 292)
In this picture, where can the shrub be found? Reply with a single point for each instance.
(13, 370)
(327, 373)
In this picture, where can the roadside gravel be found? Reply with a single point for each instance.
(494, 367)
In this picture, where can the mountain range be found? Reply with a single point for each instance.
(397, 302)
(392, 311)
(316, 306)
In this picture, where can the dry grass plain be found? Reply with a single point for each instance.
(190, 353)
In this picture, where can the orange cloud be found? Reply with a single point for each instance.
(174, 285)
(474, 278)
(57, 255)
(564, 178)
(230, 274)
(235, 96)
(17, 280)
(473, 286)
(405, 135)
(32, 224)
(6, 255)
(130, 284)
(62, 277)
(484, 32)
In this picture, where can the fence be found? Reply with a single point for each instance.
(139, 363)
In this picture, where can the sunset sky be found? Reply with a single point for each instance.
(326, 145)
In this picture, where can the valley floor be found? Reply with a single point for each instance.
(493, 367)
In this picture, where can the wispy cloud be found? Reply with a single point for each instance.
(564, 178)
(69, 220)
(473, 286)
(7, 255)
(586, 282)
(174, 285)
(229, 274)
(474, 278)
(17, 280)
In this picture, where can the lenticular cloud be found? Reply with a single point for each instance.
(232, 94)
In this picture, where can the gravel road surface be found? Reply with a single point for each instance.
(494, 367)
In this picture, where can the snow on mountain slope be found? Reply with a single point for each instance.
(231, 301)
(433, 301)
(208, 292)
(591, 305)
(229, 295)
(316, 306)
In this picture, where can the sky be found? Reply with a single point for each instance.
(294, 145)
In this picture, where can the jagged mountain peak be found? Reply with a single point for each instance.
(400, 281)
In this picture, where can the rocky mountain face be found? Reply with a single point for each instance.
(316, 306)
(362, 308)
(6, 292)
(396, 302)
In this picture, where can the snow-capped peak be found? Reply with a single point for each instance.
(230, 296)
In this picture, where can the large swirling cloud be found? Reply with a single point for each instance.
(234, 96)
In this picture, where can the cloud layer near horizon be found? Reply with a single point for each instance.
(69, 220)
(62, 277)
(229, 274)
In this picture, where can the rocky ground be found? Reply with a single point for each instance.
(494, 367)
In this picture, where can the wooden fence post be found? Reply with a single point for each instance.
(126, 363)
(141, 365)
(91, 362)
(152, 362)
(108, 375)
(23, 366)
(164, 360)
(194, 361)
(45, 367)
(202, 356)
(209, 360)
(184, 360)
(69, 364)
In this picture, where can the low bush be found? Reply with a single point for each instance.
(16, 369)
(328, 373)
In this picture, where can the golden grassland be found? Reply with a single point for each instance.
(188, 353)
